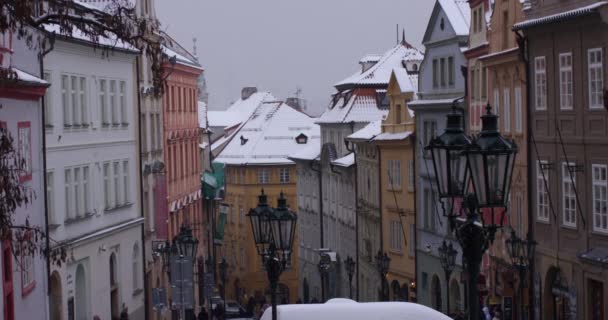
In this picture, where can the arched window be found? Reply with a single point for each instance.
(81, 304)
(136, 282)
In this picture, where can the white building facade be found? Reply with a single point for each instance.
(93, 181)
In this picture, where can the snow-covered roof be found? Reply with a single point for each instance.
(309, 153)
(346, 161)
(407, 82)
(225, 119)
(428, 102)
(371, 58)
(202, 115)
(379, 74)
(459, 14)
(103, 5)
(28, 78)
(368, 132)
(110, 40)
(181, 58)
(388, 136)
(560, 16)
(359, 108)
(239, 111)
(269, 136)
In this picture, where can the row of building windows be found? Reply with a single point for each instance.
(599, 191)
(508, 107)
(595, 74)
(237, 175)
(182, 156)
(443, 72)
(181, 99)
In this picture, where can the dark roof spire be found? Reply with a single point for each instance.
(403, 42)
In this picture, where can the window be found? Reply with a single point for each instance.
(443, 72)
(106, 185)
(542, 194)
(117, 191)
(540, 83)
(50, 200)
(474, 25)
(429, 210)
(565, 81)
(396, 236)
(284, 175)
(103, 102)
(136, 269)
(410, 174)
(398, 114)
(451, 71)
(123, 103)
(75, 105)
(113, 106)
(435, 73)
(394, 173)
(28, 279)
(507, 109)
(82, 99)
(77, 193)
(430, 130)
(596, 78)
(65, 101)
(600, 198)
(125, 181)
(25, 149)
(496, 101)
(69, 209)
(86, 193)
(568, 195)
(263, 177)
(48, 106)
(518, 111)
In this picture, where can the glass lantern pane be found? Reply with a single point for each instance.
(476, 164)
(440, 162)
(457, 172)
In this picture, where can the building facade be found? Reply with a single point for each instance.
(256, 160)
(24, 274)
(440, 85)
(92, 180)
(506, 87)
(567, 112)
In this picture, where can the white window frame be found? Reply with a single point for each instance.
(540, 83)
(542, 195)
(568, 196)
(116, 183)
(507, 109)
(86, 189)
(75, 101)
(599, 174)
(28, 276)
(103, 102)
(566, 89)
(77, 186)
(396, 236)
(48, 104)
(50, 196)
(113, 104)
(65, 100)
(125, 182)
(107, 185)
(518, 110)
(496, 100)
(82, 98)
(69, 196)
(283, 175)
(394, 174)
(595, 68)
(263, 176)
(123, 103)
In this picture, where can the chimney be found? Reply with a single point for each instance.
(246, 92)
(295, 103)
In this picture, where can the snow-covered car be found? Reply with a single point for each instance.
(352, 310)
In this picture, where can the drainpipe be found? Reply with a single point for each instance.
(352, 149)
(320, 172)
(41, 56)
(523, 43)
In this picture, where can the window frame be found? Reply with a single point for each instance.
(24, 133)
(394, 174)
(540, 83)
(599, 66)
(566, 81)
(506, 96)
(518, 110)
(542, 176)
(47, 75)
(263, 176)
(27, 267)
(599, 183)
(568, 179)
(284, 175)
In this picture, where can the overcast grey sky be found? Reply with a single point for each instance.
(278, 45)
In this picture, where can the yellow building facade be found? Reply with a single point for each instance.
(396, 144)
(246, 275)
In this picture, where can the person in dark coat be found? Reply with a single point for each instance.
(250, 306)
(124, 314)
(203, 315)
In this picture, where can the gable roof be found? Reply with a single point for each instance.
(361, 107)
(458, 13)
(268, 136)
(379, 73)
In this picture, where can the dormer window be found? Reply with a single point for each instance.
(243, 140)
(302, 139)
(382, 99)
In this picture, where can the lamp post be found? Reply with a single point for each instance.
(349, 264)
(273, 233)
(488, 160)
(324, 266)
(179, 259)
(521, 252)
(383, 261)
(223, 266)
(447, 256)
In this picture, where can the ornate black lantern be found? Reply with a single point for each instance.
(521, 251)
(259, 217)
(491, 159)
(447, 256)
(383, 262)
(283, 226)
(449, 160)
(187, 244)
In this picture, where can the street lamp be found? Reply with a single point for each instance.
(324, 266)
(349, 264)
(489, 161)
(521, 252)
(181, 255)
(447, 256)
(382, 263)
(223, 266)
(273, 233)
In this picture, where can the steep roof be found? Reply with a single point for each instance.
(239, 111)
(459, 14)
(358, 108)
(379, 73)
(269, 136)
(368, 132)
